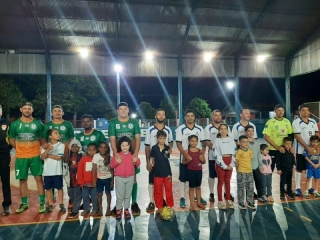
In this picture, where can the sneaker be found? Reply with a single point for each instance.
(299, 192)
(42, 208)
(255, 195)
(73, 215)
(93, 213)
(182, 202)
(150, 207)
(291, 196)
(229, 204)
(311, 191)
(203, 202)
(211, 197)
(270, 199)
(231, 197)
(119, 213)
(6, 210)
(242, 206)
(114, 211)
(85, 213)
(127, 214)
(306, 194)
(251, 206)
(135, 209)
(62, 208)
(316, 194)
(222, 205)
(282, 196)
(262, 199)
(48, 209)
(22, 208)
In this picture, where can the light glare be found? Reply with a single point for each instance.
(133, 115)
(84, 52)
(117, 68)
(207, 56)
(230, 84)
(149, 56)
(261, 58)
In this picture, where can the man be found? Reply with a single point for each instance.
(150, 141)
(275, 130)
(65, 129)
(238, 128)
(182, 134)
(121, 126)
(89, 135)
(25, 137)
(210, 133)
(303, 128)
(5, 164)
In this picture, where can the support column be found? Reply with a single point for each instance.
(180, 75)
(118, 88)
(236, 86)
(287, 88)
(48, 73)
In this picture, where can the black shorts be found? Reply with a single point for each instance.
(195, 178)
(53, 182)
(300, 163)
(151, 178)
(212, 169)
(183, 173)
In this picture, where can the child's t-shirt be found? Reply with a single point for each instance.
(243, 159)
(162, 166)
(195, 164)
(103, 171)
(314, 158)
(53, 167)
(73, 168)
(266, 161)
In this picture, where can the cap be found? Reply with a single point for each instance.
(279, 106)
(26, 104)
(74, 141)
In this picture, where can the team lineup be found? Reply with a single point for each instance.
(90, 166)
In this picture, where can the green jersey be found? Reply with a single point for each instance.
(119, 129)
(27, 136)
(65, 130)
(95, 137)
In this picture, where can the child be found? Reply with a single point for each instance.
(244, 157)
(52, 169)
(267, 172)
(312, 165)
(124, 170)
(101, 169)
(85, 180)
(74, 191)
(285, 164)
(225, 150)
(161, 171)
(194, 172)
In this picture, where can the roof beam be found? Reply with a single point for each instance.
(255, 26)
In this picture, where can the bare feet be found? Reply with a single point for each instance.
(201, 206)
(159, 210)
(192, 207)
(108, 213)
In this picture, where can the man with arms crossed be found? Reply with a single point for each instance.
(121, 126)
(303, 128)
(25, 137)
(150, 141)
(182, 134)
(275, 130)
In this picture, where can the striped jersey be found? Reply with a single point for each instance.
(306, 130)
(238, 130)
(151, 136)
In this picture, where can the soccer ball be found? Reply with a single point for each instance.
(167, 213)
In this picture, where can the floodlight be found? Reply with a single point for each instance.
(133, 115)
(84, 52)
(149, 56)
(261, 58)
(117, 68)
(230, 84)
(207, 56)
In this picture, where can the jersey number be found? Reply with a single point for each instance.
(17, 172)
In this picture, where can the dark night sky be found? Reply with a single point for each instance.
(261, 94)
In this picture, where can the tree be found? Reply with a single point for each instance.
(200, 107)
(10, 95)
(145, 111)
(170, 105)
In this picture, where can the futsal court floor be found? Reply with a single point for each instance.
(286, 219)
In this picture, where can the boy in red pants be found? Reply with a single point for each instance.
(162, 171)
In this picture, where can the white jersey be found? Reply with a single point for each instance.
(52, 167)
(225, 146)
(210, 134)
(306, 130)
(151, 136)
(103, 171)
(238, 130)
(183, 132)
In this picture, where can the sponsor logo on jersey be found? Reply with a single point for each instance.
(33, 126)
(26, 125)
(130, 125)
(92, 138)
(124, 126)
(117, 126)
(277, 127)
(4, 127)
(82, 139)
(62, 128)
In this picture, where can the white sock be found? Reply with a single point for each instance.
(211, 184)
(298, 180)
(182, 189)
(151, 192)
(310, 183)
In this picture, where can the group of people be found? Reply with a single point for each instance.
(90, 166)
